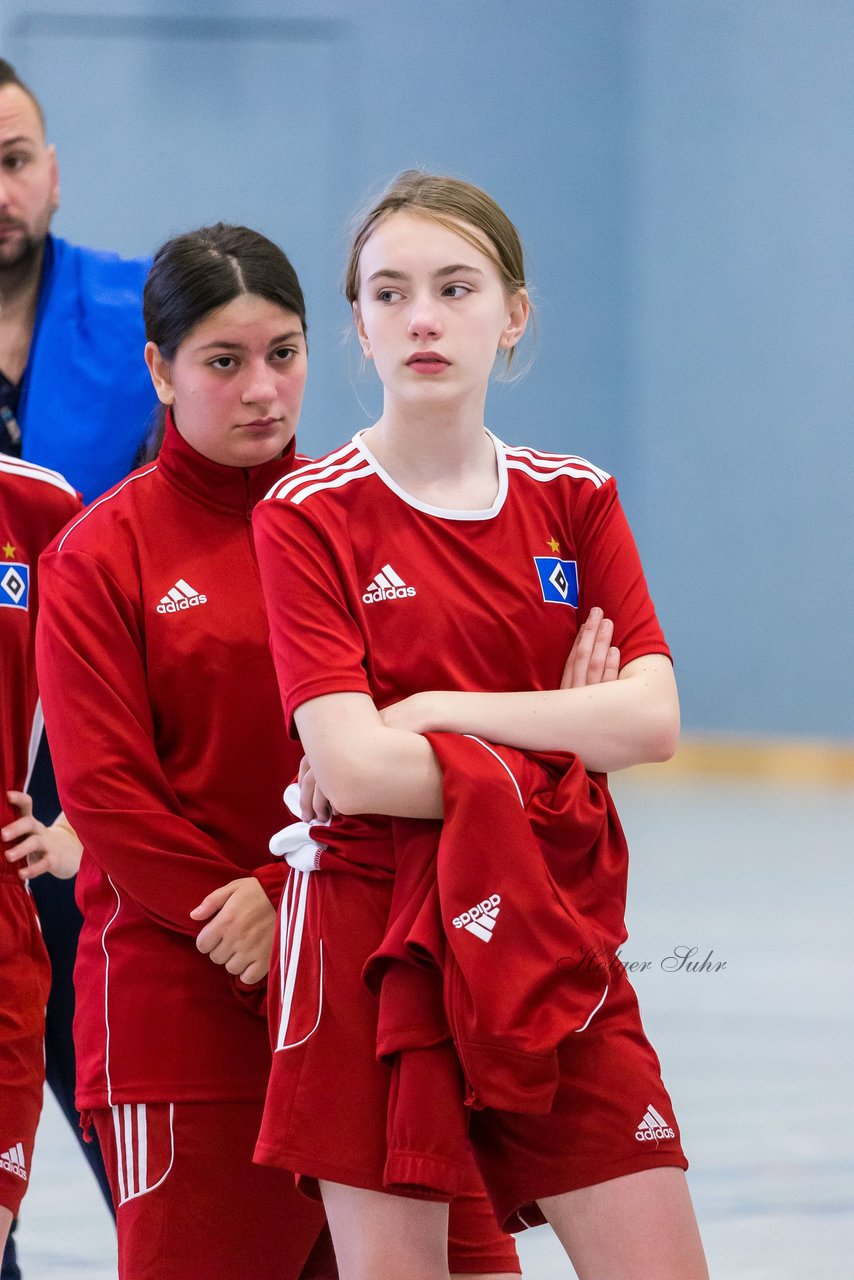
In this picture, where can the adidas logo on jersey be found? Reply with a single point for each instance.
(387, 585)
(480, 919)
(13, 1161)
(181, 596)
(653, 1127)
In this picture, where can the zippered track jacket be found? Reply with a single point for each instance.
(161, 705)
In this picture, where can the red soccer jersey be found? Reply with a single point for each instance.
(34, 505)
(170, 755)
(371, 591)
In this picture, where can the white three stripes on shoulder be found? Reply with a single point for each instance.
(548, 466)
(543, 459)
(336, 482)
(32, 471)
(333, 472)
(310, 471)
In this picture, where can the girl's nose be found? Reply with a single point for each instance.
(259, 387)
(424, 319)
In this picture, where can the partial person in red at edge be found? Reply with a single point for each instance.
(160, 695)
(156, 684)
(34, 505)
(424, 584)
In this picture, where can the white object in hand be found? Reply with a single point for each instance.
(294, 843)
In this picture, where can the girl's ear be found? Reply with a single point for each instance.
(161, 373)
(517, 320)
(364, 341)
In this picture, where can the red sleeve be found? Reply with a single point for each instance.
(271, 877)
(91, 666)
(317, 646)
(610, 572)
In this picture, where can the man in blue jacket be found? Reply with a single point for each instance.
(75, 396)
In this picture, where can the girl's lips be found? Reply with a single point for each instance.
(427, 362)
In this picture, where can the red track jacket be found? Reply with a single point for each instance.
(162, 711)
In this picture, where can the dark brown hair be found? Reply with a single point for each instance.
(194, 273)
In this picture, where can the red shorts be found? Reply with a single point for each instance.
(611, 1116)
(190, 1202)
(25, 985)
(327, 1101)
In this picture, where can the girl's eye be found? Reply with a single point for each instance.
(388, 295)
(284, 353)
(223, 362)
(455, 290)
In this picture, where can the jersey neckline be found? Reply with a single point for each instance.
(442, 513)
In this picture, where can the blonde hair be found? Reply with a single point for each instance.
(457, 205)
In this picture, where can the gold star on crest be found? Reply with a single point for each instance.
(8, 551)
(554, 545)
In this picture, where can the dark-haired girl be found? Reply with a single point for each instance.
(161, 698)
(155, 678)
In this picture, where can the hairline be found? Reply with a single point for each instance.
(28, 93)
(458, 224)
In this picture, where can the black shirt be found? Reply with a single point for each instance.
(10, 432)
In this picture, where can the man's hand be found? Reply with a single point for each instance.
(239, 932)
(40, 849)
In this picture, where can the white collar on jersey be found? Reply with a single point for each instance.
(444, 513)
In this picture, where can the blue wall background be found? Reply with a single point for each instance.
(681, 171)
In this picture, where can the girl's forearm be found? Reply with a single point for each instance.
(362, 766)
(633, 720)
(370, 762)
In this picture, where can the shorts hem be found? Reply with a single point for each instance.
(490, 1267)
(421, 1176)
(516, 1214)
(309, 1173)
